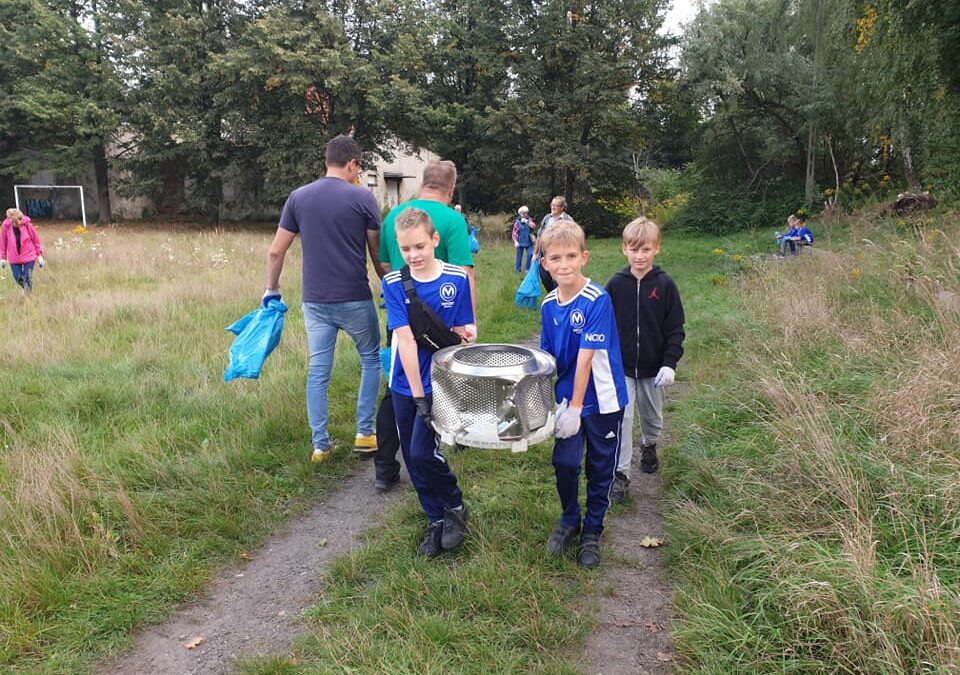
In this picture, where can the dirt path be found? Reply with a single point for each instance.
(633, 637)
(253, 610)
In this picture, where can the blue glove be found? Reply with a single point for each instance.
(269, 295)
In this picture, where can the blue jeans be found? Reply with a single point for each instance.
(524, 250)
(21, 274)
(324, 321)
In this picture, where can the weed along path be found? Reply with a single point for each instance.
(254, 609)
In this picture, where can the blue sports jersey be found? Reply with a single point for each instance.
(585, 322)
(449, 296)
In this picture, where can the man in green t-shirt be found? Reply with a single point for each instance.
(436, 192)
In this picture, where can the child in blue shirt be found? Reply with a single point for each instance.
(446, 289)
(798, 233)
(580, 331)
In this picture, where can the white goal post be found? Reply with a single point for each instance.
(83, 205)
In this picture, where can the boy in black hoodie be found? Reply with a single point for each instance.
(649, 315)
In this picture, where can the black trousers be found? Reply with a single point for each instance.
(548, 283)
(388, 442)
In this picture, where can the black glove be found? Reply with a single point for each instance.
(423, 409)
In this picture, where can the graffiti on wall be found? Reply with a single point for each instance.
(39, 208)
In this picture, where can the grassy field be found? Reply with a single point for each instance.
(814, 483)
(816, 486)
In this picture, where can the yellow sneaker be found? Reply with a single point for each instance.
(321, 455)
(366, 445)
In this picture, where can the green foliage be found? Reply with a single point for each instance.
(61, 88)
(577, 67)
(722, 208)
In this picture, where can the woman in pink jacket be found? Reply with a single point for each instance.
(20, 246)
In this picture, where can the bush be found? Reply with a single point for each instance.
(722, 209)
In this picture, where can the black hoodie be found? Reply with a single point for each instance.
(649, 321)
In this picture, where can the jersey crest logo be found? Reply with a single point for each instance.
(577, 320)
(448, 293)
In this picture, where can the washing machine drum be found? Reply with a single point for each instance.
(493, 395)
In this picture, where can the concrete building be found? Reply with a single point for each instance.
(398, 180)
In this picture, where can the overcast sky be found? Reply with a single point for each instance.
(680, 12)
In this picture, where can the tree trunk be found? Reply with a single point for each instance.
(812, 135)
(568, 186)
(909, 171)
(811, 161)
(105, 215)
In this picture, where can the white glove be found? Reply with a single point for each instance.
(3, 264)
(40, 261)
(516, 244)
(269, 295)
(664, 377)
(568, 420)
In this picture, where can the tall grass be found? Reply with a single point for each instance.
(128, 470)
(817, 510)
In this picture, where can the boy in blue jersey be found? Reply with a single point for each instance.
(445, 289)
(580, 331)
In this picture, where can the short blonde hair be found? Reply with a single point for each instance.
(413, 218)
(641, 231)
(15, 214)
(563, 232)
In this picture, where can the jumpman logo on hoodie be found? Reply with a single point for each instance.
(653, 294)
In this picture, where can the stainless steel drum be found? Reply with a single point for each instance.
(493, 396)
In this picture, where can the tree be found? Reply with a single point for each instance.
(580, 72)
(61, 89)
(174, 146)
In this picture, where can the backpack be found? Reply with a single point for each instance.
(428, 329)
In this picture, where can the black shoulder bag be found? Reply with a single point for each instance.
(428, 329)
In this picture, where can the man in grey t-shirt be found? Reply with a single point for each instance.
(338, 222)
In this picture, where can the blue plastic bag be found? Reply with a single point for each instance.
(257, 334)
(528, 295)
(385, 361)
(474, 242)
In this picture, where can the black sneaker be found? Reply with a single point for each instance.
(621, 485)
(430, 546)
(648, 458)
(454, 526)
(589, 554)
(561, 537)
(384, 484)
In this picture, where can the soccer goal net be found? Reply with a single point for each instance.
(51, 201)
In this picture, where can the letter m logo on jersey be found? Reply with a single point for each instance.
(577, 320)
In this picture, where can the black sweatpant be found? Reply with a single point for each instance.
(388, 442)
